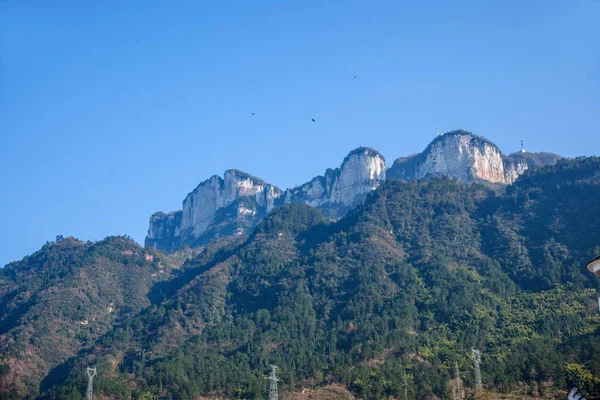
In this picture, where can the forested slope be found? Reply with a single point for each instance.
(409, 283)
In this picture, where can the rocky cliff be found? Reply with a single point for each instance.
(468, 158)
(233, 205)
(236, 203)
(343, 188)
(218, 206)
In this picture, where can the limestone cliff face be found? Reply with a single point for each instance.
(345, 187)
(467, 158)
(239, 199)
(516, 164)
(464, 157)
(201, 205)
(236, 203)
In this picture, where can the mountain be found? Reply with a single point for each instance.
(344, 188)
(61, 299)
(235, 204)
(406, 283)
(218, 206)
(468, 158)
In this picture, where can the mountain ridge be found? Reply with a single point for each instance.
(407, 281)
(458, 154)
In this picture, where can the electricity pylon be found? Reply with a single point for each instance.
(477, 361)
(457, 390)
(273, 393)
(91, 373)
(405, 385)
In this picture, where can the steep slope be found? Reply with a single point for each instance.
(467, 157)
(236, 204)
(548, 217)
(218, 206)
(408, 282)
(343, 188)
(62, 298)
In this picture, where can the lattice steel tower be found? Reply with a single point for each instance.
(91, 373)
(477, 361)
(273, 393)
(456, 389)
(405, 385)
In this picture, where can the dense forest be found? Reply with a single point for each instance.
(399, 290)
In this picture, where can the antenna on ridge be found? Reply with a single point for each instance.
(522, 148)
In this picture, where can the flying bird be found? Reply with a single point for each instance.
(252, 113)
(313, 120)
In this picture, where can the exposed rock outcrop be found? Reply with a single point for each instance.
(467, 158)
(516, 164)
(218, 206)
(343, 188)
(235, 204)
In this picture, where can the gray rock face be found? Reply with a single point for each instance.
(467, 158)
(236, 203)
(343, 188)
(239, 198)
(516, 164)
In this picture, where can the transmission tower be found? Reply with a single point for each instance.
(477, 361)
(457, 390)
(273, 394)
(405, 385)
(91, 373)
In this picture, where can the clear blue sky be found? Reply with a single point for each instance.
(112, 110)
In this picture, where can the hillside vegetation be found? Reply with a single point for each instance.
(406, 284)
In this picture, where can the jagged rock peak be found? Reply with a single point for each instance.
(363, 151)
(342, 188)
(237, 202)
(252, 197)
(473, 138)
(467, 157)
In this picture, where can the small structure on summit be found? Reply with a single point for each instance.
(522, 148)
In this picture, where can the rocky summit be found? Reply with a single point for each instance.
(468, 158)
(235, 204)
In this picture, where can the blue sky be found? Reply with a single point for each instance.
(112, 110)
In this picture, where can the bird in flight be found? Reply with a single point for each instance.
(313, 120)
(354, 77)
(252, 113)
